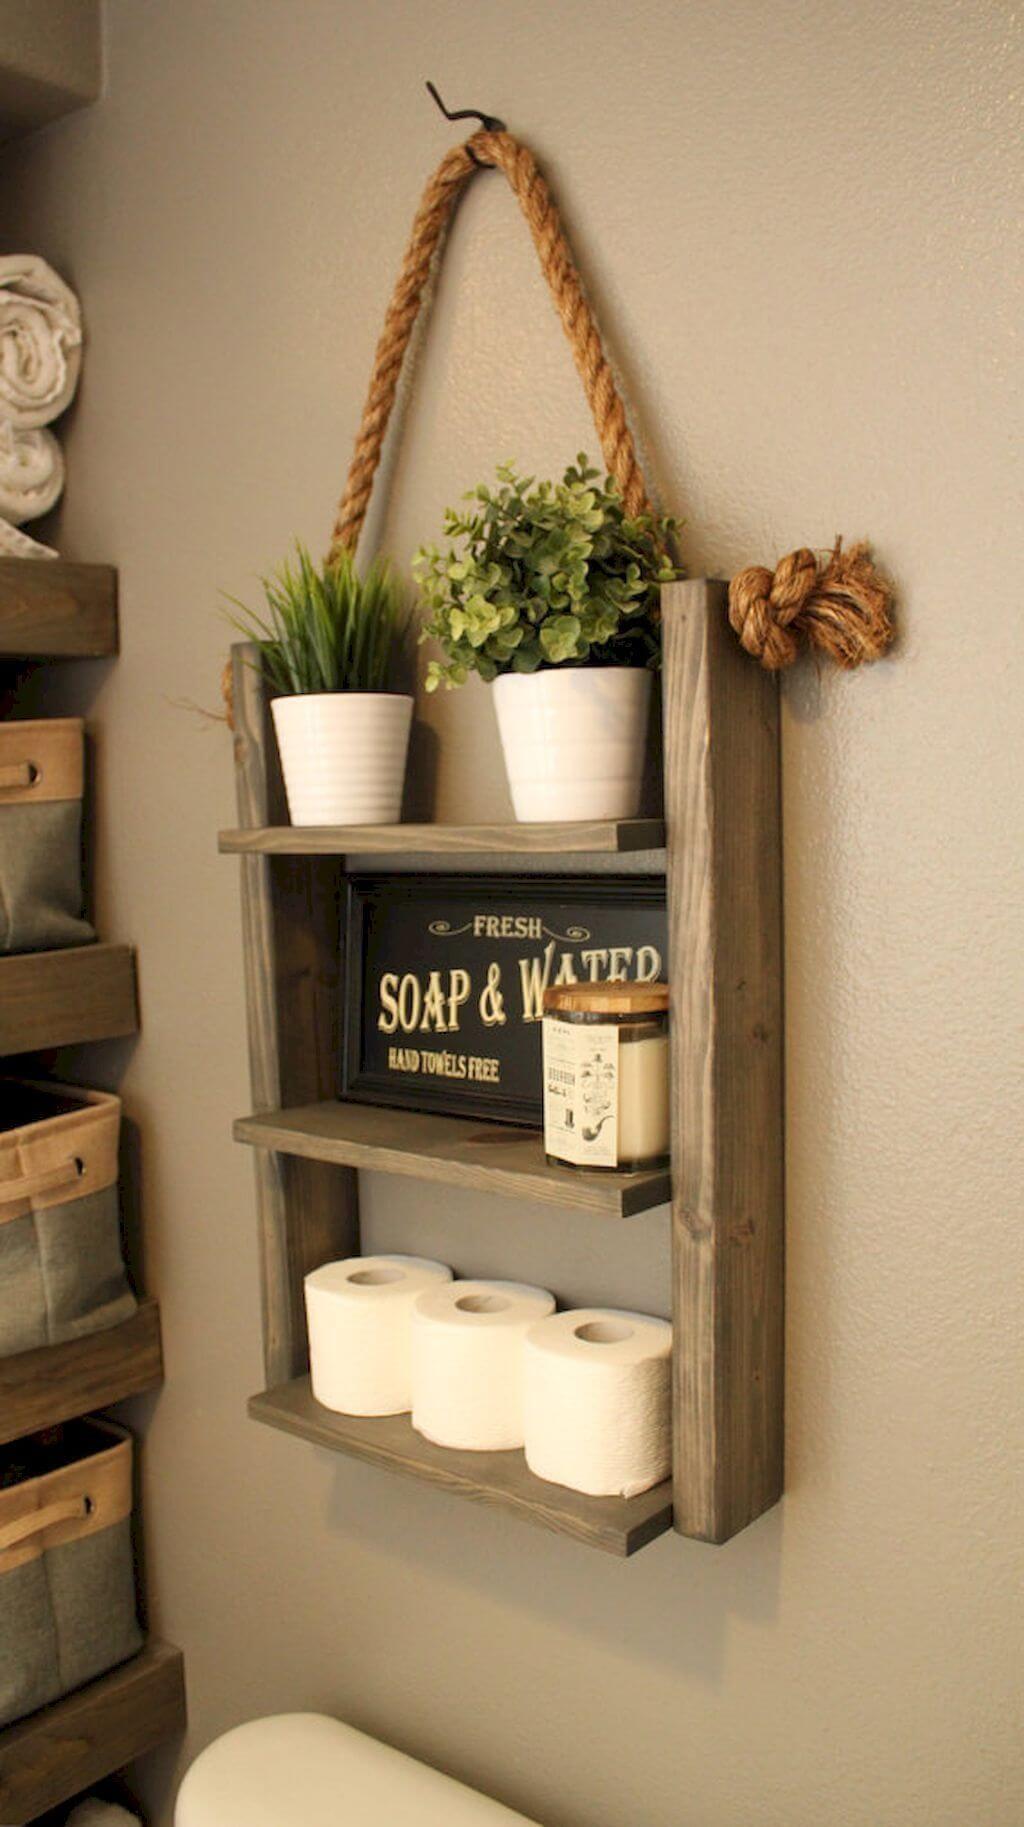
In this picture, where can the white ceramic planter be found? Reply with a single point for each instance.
(574, 740)
(343, 756)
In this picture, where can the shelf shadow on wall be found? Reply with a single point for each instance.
(673, 1603)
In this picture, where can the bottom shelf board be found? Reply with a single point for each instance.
(619, 1525)
(60, 1382)
(64, 1748)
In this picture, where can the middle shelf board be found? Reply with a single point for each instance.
(61, 998)
(595, 837)
(60, 1382)
(619, 1525)
(455, 1151)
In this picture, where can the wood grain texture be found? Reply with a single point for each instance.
(60, 1382)
(53, 610)
(453, 1151)
(616, 837)
(55, 999)
(619, 1525)
(725, 969)
(292, 958)
(65, 1748)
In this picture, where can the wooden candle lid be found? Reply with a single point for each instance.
(606, 999)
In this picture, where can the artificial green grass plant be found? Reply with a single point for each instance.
(326, 629)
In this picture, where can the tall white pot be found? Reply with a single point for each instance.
(343, 755)
(575, 740)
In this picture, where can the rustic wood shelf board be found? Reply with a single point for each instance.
(65, 1748)
(619, 1525)
(60, 1382)
(55, 999)
(51, 610)
(455, 1151)
(597, 838)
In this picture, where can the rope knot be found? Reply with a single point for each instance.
(839, 605)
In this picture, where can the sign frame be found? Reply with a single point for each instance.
(448, 1096)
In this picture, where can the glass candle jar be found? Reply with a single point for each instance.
(606, 1101)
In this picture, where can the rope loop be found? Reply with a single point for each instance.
(437, 205)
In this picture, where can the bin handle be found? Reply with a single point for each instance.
(48, 1181)
(69, 1509)
(19, 774)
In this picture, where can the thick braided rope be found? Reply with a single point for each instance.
(436, 207)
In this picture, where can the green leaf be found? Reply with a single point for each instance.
(544, 573)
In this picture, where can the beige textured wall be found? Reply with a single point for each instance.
(798, 222)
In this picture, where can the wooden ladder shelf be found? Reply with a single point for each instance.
(720, 849)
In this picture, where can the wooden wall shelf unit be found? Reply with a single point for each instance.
(51, 610)
(61, 1382)
(64, 1748)
(723, 873)
(59, 999)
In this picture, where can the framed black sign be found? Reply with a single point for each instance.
(446, 974)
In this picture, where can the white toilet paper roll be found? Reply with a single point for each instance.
(359, 1314)
(467, 1362)
(597, 1401)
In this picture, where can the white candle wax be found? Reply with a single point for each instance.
(643, 1133)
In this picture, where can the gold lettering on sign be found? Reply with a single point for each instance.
(433, 1064)
(507, 926)
(406, 1004)
(601, 965)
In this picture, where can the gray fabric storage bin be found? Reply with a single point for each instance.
(62, 1272)
(67, 1581)
(41, 773)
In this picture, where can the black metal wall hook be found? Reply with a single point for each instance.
(489, 122)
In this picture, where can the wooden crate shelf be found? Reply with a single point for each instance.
(597, 838)
(60, 1382)
(52, 610)
(57, 999)
(722, 865)
(65, 1748)
(619, 1525)
(455, 1151)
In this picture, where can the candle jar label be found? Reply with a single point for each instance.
(581, 1092)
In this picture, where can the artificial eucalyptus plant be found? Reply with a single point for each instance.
(544, 574)
(326, 628)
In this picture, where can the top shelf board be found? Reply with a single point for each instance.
(594, 837)
(50, 610)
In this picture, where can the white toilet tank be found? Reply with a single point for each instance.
(304, 1770)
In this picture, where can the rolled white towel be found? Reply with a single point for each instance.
(40, 341)
(14, 544)
(31, 473)
(94, 1813)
